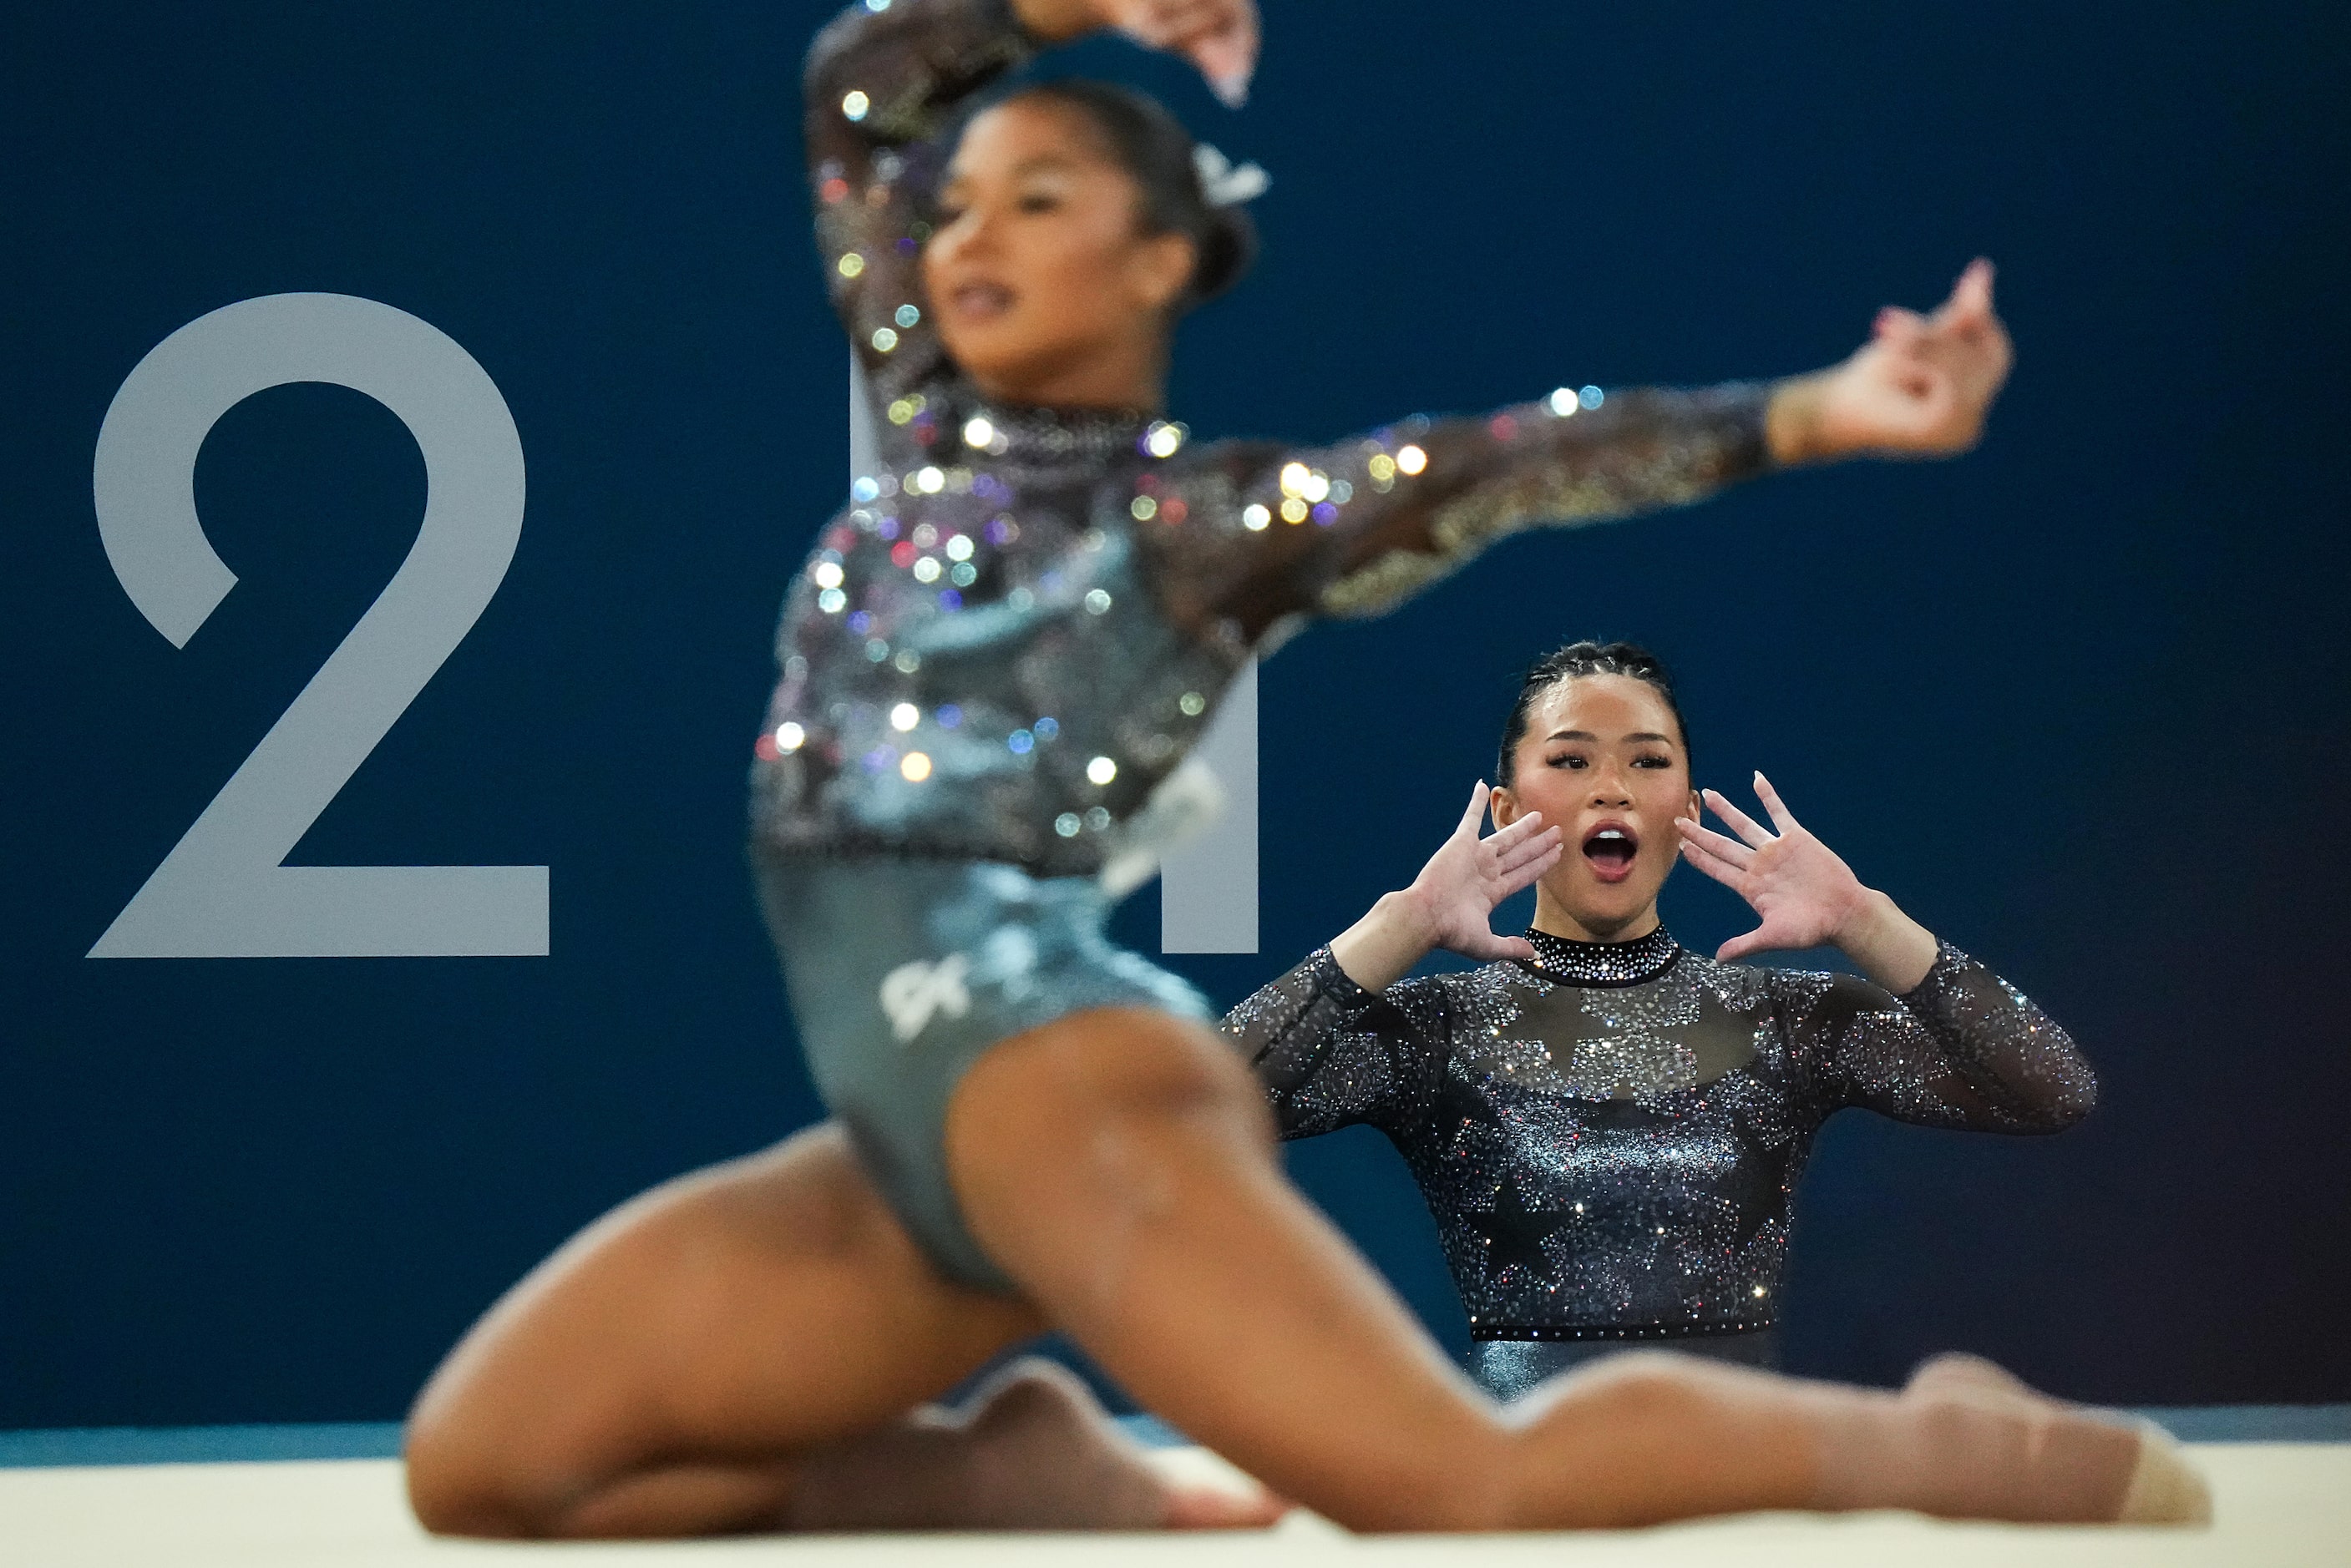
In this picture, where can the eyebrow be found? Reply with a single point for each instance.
(1588, 735)
(1042, 163)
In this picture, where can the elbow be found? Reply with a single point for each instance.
(829, 53)
(2082, 1102)
(2066, 1102)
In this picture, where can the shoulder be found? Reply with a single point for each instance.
(1491, 993)
(1739, 985)
(1236, 460)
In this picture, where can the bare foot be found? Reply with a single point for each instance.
(2152, 1483)
(1033, 1451)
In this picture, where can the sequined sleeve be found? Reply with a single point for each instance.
(1961, 1049)
(880, 85)
(1332, 1054)
(1352, 528)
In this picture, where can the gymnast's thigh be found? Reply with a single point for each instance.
(750, 1310)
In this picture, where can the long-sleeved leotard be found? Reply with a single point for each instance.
(1026, 616)
(1610, 1138)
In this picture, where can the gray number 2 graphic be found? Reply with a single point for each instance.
(224, 890)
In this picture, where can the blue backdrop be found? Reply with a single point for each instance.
(2078, 700)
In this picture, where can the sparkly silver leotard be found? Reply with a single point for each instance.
(1024, 620)
(1004, 646)
(1610, 1138)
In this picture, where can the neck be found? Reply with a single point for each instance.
(1551, 919)
(1130, 376)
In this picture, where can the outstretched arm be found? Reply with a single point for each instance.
(1936, 1039)
(1352, 528)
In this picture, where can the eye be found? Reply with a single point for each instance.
(1653, 761)
(1571, 760)
(1041, 201)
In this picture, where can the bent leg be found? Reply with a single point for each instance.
(745, 1348)
(1120, 1165)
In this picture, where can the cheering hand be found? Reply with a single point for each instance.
(1804, 895)
(1459, 889)
(1451, 903)
(1803, 892)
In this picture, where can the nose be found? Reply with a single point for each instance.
(972, 232)
(1608, 788)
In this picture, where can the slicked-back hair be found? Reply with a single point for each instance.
(1585, 657)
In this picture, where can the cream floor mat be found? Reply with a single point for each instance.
(2283, 1503)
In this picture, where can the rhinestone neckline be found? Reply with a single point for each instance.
(1603, 964)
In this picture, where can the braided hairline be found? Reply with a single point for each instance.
(1579, 658)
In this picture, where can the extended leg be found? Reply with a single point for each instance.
(1118, 1164)
(746, 1348)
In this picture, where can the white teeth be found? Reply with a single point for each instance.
(1607, 832)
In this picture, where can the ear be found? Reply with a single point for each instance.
(1162, 268)
(1697, 806)
(1504, 805)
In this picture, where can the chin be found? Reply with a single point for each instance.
(1008, 364)
(1599, 907)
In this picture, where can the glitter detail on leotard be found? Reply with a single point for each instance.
(1603, 964)
(1613, 1161)
(1024, 618)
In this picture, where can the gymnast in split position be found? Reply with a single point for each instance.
(991, 663)
(1609, 1129)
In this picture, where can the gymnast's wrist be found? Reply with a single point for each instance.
(1892, 950)
(1791, 421)
(1381, 948)
(1409, 917)
(1056, 21)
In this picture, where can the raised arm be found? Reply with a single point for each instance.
(1932, 1036)
(1451, 903)
(1338, 1040)
(880, 86)
(1961, 1049)
(1332, 1054)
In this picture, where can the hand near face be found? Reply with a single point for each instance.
(1220, 36)
(1919, 387)
(1805, 896)
(1468, 876)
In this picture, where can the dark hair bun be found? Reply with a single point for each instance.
(1228, 247)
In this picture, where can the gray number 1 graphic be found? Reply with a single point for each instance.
(224, 891)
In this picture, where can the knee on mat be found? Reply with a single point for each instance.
(453, 1491)
(1638, 1391)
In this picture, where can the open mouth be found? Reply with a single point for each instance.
(1609, 849)
(980, 301)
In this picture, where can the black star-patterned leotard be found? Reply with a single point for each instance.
(1610, 1138)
